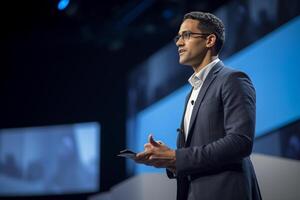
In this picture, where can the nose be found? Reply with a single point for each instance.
(180, 42)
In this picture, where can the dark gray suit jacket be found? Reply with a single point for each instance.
(213, 163)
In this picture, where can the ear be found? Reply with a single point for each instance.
(211, 40)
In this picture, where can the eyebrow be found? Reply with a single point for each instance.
(183, 32)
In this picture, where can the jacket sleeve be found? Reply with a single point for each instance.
(238, 96)
(170, 174)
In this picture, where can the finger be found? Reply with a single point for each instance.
(160, 158)
(141, 159)
(142, 155)
(147, 146)
(152, 141)
(149, 137)
(144, 160)
(160, 142)
(158, 163)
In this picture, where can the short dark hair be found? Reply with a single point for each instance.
(211, 24)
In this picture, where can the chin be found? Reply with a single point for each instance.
(183, 62)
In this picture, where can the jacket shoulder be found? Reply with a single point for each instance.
(228, 73)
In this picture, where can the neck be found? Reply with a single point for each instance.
(206, 60)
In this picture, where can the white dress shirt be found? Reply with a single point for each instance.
(196, 80)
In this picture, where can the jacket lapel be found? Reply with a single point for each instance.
(209, 79)
(181, 136)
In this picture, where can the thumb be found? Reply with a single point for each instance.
(152, 141)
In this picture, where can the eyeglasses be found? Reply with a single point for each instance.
(187, 34)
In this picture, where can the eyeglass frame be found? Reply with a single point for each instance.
(188, 36)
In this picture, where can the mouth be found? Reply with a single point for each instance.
(181, 51)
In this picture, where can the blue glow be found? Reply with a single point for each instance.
(134, 13)
(62, 4)
(273, 65)
(168, 13)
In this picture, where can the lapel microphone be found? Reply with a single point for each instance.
(179, 130)
(192, 102)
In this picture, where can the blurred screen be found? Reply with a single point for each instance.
(50, 160)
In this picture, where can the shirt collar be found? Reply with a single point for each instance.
(198, 78)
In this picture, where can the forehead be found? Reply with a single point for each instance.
(189, 25)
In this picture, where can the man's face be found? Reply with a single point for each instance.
(191, 51)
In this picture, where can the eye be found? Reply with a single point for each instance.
(185, 35)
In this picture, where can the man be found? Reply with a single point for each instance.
(211, 161)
